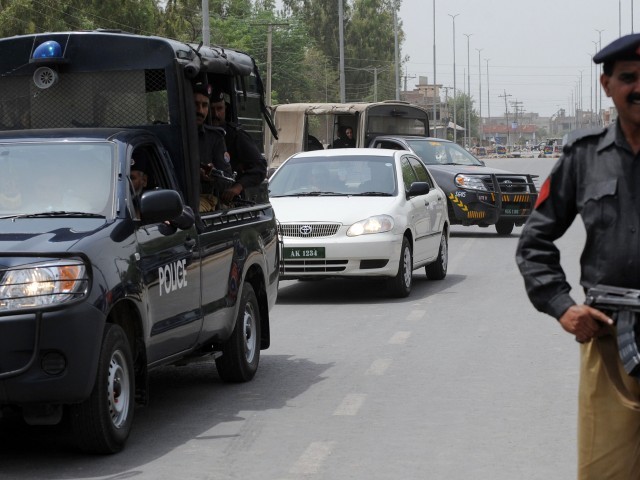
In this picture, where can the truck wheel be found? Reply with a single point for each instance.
(504, 227)
(241, 352)
(400, 285)
(102, 423)
(438, 269)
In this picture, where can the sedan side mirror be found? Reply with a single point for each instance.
(418, 188)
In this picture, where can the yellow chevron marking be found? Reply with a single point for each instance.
(476, 214)
(458, 202)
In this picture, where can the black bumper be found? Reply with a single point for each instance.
(486, 208)
(50, 356)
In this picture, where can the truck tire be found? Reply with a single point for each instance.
(400, 285)
(438, 269)
(504, 227)
(241, 352)
(102, 423)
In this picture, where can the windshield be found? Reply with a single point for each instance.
(56, 177)
(344, 175)
(433, 152)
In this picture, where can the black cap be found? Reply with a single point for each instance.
(139, 163)
(202, 89)
(217, 95)
(624, 48)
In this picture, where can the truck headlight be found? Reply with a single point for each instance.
(470, 181)
(43, 284)
(376, 224)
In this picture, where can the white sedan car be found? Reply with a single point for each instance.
(360, 212)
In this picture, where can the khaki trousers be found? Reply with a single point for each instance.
(608, 431)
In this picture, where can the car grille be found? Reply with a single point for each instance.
(308, 230)
(293, 267)
(508, 184)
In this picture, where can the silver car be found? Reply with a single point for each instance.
(360, 212)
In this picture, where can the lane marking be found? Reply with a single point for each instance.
(312, 458)
(416, 315)
(400, 338)
(378, 367)
(351, 404)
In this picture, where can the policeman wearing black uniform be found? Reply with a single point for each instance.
(598, 178)
(246, 159)
(211, 143)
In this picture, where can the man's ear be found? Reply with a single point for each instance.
(604, 81)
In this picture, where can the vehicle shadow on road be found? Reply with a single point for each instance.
(336, 291)
(187, 403)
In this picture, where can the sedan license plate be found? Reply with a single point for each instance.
(304, 253)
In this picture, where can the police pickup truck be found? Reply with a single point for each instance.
(107, 267)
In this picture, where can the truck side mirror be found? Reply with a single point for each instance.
(159, 206)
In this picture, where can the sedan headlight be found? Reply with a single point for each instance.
(470, 181)
(43, 284)
(376, 224)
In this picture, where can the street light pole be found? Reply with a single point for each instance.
(480, 94)
(343, 96)
(435, 123)
(467, 98)
(599, 104)
(488, 97)
(455, 119)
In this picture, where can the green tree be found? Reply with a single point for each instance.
(473, 128)
(33, 16)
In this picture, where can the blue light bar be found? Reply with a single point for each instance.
(47, 50)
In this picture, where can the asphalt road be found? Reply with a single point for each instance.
(462, 380)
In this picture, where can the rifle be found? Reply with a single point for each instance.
(624, 305)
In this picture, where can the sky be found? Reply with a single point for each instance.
(539, 52)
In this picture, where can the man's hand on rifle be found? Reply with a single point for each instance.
(230, 193)
(584, 322)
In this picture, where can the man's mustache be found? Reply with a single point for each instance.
(633, 97)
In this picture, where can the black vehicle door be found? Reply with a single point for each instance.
(170, 268)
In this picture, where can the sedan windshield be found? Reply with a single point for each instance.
(345, 175)
(433, 152)
(56, 177)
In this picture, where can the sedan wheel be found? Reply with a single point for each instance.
(438, 269)
(400, 285)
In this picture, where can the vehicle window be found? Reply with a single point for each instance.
(331, 175)
(459, 156)
(430, 152)
(408, 175)
(421, 172)
(47, 177)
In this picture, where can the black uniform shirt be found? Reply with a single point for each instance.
(597, 177)
(246, 158)
(212, 148)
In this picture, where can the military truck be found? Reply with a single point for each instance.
(101, 282)
(301, 127)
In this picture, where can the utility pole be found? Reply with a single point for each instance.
(516, 107)
(341, 39)
(206, 35)
(396, 54)
(269, 26)
(506, 113)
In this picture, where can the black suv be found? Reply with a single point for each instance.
(476, 194)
